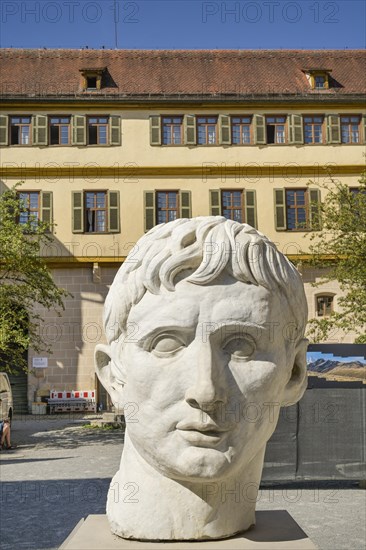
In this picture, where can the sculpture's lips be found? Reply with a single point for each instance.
(210, 430)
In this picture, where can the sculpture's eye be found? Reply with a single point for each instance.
(167, 344)
(240, 347)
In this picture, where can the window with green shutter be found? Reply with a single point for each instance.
(185, 204)
(280, 209)
(215, 202)
(4, 130)
(296, 131)
(40, 130)
(297, 209)
(77, 212)
(47, 207)
(114, 130)
(333, 129)
(149, 210)
(224, 130)
(79, 130)
(315, 221)
(155, 130)
(259, 127)
(234, 204)
(190, 132)
(113, 212)
(251, 208)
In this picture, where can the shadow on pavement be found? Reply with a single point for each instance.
(47, 510)
(14, 460)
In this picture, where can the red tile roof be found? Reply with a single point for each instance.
(187, 72)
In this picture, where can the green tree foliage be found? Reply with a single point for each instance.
(340, 246)
(26, 284)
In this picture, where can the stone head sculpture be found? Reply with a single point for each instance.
(205, 328)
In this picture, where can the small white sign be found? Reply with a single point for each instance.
(40, 362)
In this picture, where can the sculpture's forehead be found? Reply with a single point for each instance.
(192, 304)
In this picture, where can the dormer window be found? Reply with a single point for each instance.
(319, 81)
(91, 82)
(92, 78)
(318, 78)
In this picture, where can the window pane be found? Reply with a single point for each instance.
(54, 135)
(64, 135)
(33, 200)
(237, 215)
(246, 134)
(89, 200)
(102, 134)
(93, 140)
(25, 135)
(201, 135)
(211, 134)
(100, 200)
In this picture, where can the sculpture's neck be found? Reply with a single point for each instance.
(144, 504)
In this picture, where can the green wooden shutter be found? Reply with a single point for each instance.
(259, 122)
(4, 130)
(224, 130)
(185, 204)
(78, 130)
(155, 130)
(334, 129)
(296, 134)
(77, 212)
(149, 208)
(364, 128)
(314, 209)
(47, 207)
(114, 130)
(251, 208)
(40, 130)
(113, 212)
(190, 130)
(280, 209)
(215, 202)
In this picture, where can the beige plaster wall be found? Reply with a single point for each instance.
(136, 148)
(93, 247)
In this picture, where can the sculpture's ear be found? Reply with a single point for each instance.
(297, 384)
(103, 368)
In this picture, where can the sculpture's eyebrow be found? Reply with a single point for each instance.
(225, 329)
(146, 337)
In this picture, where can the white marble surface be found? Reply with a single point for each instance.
(205, 344)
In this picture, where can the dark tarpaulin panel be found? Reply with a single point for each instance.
(322, 437)
(280, 458)
(331, 440)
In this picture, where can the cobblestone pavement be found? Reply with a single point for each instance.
(61, 470)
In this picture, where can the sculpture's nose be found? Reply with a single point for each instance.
(207, 390)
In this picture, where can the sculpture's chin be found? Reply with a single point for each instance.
(194, 464)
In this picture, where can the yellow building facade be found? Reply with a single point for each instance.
(110, 143)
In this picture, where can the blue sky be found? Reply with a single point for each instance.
(177, 24)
